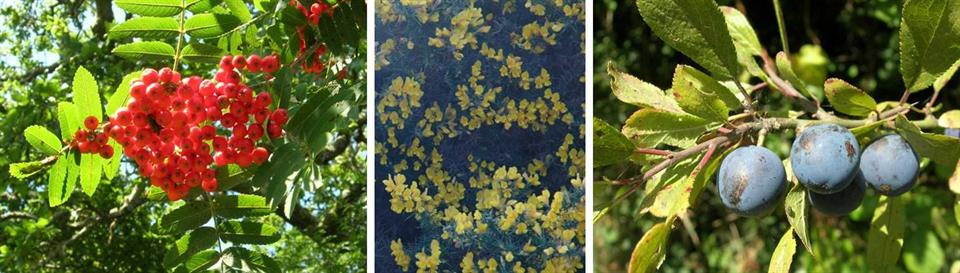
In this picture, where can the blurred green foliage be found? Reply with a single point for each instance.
(856, 40)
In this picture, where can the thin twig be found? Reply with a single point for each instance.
(651, 151)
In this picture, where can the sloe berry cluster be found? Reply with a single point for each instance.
(826, 159)
(169, 126)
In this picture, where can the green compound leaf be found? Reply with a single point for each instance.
(783, 254)
(86, 95)
(153, 28)
(209, 25)
(243, 205)
(42, 139)
(649, 127)
(59, 188)
(202, 53)
(929, 31)
(121, 94)
(189, 244)
(701, 95)
(91, 170)
(158, 8)
(650, 251)
(941, 149)
(247, 232)
(149, 51)
(239, 9)
(202, 260)
(256, 261)
(847, 98)
(69, 117)
(22, 170)
(697, 29)
(189, 216)
(609, 145)
(886, 235)
(629, 89)
(198, 6)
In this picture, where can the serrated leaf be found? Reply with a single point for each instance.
(198, 6)
(929, 31)
(59, 188)
(783, 254)
(202, 260)
(86, 94)
(209, 25)
(149, 51)
(42, 139)
(629, 89)
(942, 80)
(159, 8)
(232, 175)
(885, 237)
(795, 206)
(152, 28)
(649, 127)
(609, 145)
(197, 52)
(247, 232)
(22, 170)
(702, 96)
(243, 205)
(697, 29)
(189, 244)
(941, 149)
(650, 251)
(121, 94)
(91, 169)
(239, 9)
(949, 119)
(189, 216)
(785, 68)
(256, 261)
(848, 99)
(69, 117)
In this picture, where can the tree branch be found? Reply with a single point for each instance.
(14, 215)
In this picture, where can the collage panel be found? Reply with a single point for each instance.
(479, 124)
(183, 136)
(776, 136)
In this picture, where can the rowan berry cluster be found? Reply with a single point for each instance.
(91, 141)
(318, 9)
(170, 125)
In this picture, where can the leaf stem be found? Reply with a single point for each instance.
(180, 35)
(781, 26)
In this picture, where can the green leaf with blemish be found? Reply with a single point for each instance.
(795, 206)
(847, 98)
(629, 89)
(701, 95)
(22, 170)
(649, 127)
(42, 139)
(651, 250)
(609, 145)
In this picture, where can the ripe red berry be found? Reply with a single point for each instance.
(274, 130)
(210, 185)
(226, 62)
(239, 62)
(165, 75)
(149, 76)
(91, 123)
(106, 151)
(263, 99)
(260, 155)
(253, 63)
(279, 116)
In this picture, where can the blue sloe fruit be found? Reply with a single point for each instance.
(889, 165)
(751, 181)
(825, 157)
(840, 203)
(952, 132)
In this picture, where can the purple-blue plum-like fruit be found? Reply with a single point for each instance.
(889, 165)
(751, 181)
(825, 157)
(840, 203)
(952, 132)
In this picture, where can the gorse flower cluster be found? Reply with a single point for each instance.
(453, 79)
